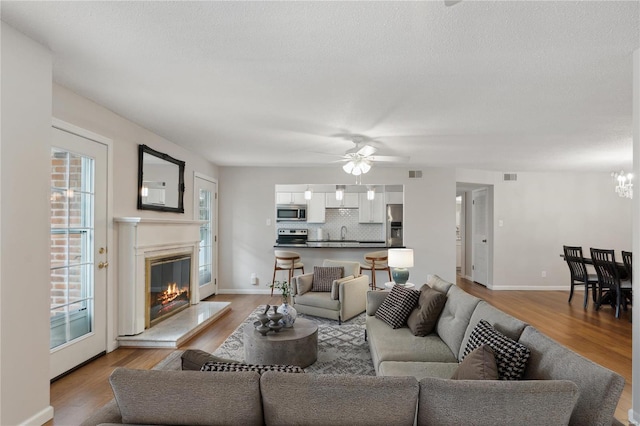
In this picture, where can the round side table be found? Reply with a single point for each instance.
(390, 285)
(297, 345)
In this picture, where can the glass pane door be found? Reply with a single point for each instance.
(72, 240)
(79, 259)
(206, 210)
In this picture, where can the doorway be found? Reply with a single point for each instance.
(474, 231)
(79, 253)
(206, 209)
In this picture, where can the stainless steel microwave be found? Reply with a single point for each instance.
(291, 212)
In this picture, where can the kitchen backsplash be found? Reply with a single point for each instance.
(334, 220)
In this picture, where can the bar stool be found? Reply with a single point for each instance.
(286, 261)
(375, 261)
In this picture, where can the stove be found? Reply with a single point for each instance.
(292, 237)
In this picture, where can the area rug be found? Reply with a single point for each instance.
(341, 348)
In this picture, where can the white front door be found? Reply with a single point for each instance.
(78, 250)
(206, 208)
(480, 236)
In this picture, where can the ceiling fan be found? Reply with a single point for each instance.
(358, 160)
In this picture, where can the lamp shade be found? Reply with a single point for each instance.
(400, 258)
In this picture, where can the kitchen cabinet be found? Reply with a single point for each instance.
(349, 201)
(316, 208)
(290, 198)
(394, 197)
(371, 211)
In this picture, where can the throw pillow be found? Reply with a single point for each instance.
(323, 277)
(335, 287)
(397, 306)
(511, 356)
(194, 359)
(239, 366)
(423, 318)
(480, 364)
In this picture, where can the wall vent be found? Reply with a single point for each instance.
(510, 177)
(415, 174)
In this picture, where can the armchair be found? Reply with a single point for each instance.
(347, 298)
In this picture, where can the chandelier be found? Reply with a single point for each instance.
(357, 166)
(624, 187)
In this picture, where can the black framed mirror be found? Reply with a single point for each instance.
(160, 181)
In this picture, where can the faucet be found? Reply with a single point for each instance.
(343, 232)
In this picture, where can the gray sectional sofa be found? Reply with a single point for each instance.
(397, 352)
(412, 386)
(161, 397)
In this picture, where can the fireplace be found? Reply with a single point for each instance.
(168, 280)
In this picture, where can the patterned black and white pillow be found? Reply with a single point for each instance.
(324, 276)
(239, 366)
(511, 356)
(397, 306)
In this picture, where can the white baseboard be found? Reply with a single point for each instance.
(533, 288)
(634, 418)
(247, 291)
(40, 418)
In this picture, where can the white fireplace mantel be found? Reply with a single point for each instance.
(139, 239)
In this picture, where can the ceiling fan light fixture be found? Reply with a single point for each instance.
(371, 193)
(348, 167)
(357, 167)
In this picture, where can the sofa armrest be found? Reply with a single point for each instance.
(302, 284)
(109, 413)
(353, 297)
(374, 300)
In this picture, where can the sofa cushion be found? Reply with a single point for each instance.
(455, 317)
(417, 369)
(240, 366)
(480, 364)
(335, 286)
(398, 305)
(350, 267)
(387, 344)
(496, 403)
(511, 356)
(504, 323)
(424, 317)
(318, 300)
(303, 283)
(600, 387)
(332, 399)
(194, 359)
(150, 397)
(323, 277)
(437, 283)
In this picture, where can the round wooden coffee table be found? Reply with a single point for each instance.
(297, 345)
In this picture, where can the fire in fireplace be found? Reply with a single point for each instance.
(168, 281)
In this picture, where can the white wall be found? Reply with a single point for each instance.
(247, 197)
(24, 230)
(634, 412)
(541, 212)
(126, 136)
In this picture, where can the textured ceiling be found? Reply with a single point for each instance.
(509, 86)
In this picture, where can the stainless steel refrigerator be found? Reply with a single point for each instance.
(394, 225)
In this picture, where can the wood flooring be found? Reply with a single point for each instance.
(596, 335)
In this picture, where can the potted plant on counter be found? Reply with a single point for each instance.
(288, 312)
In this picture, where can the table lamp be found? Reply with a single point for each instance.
(400, 260)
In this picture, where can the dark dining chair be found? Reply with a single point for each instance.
(627, 259)
(579, 274)
(619, 292)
